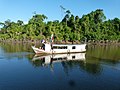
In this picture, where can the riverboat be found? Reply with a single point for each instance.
(59, 48)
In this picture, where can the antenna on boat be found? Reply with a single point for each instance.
(51, 40)
(62, 10)
(85, 40)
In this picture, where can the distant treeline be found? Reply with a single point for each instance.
(92, 26)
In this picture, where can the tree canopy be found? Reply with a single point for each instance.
(92, 26)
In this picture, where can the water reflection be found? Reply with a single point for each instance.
(55, 58)
(92, 61)
(68, 62)
(97, 69)
(16, 47)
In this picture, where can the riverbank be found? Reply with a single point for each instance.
(89, 42)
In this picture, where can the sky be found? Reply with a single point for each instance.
(24, 9)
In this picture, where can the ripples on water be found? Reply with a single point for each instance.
(97, 69)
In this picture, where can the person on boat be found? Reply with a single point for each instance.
(43, 44)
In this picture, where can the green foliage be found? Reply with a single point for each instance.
(91, 26)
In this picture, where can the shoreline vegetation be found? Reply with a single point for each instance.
(92, 28)
(37, 42)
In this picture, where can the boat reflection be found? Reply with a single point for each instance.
(54, 58)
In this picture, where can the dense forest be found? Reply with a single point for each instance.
(92, 26)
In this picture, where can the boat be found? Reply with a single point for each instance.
(50, 48)
(54, 58)
(60, 48)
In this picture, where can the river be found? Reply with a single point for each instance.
(96, 69)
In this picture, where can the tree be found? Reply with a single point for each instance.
(91, 26)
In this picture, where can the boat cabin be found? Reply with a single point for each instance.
(60, 48)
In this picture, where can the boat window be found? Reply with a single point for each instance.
(59, 47)
(43, 59)
(59, 58)
(65, 58)
(54, 47)
(73, 57)
(54, 59)
(73, 47)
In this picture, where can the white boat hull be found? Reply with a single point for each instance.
(60, 49)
